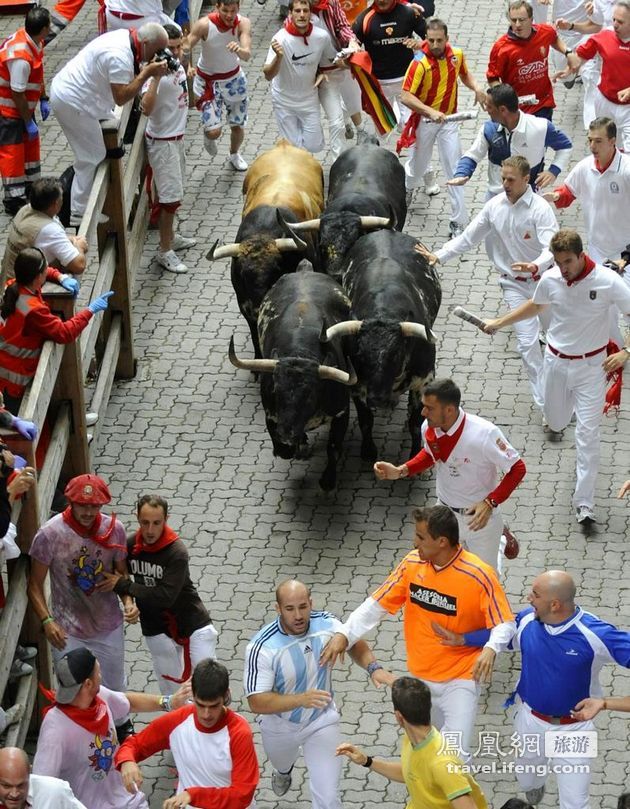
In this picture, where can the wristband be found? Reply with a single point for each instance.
(490, 502)
(165, 703)
(572, 26)
(372, 667)
(626, 349)
(368, 762)
(568, 51)
(48, 620)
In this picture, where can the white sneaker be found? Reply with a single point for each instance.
(431, 188)
(171, 262)
(182, 242)
(210, 145)
(91, 419)
(77, 218)
(280, 782)
(585, 515)
(237, 162)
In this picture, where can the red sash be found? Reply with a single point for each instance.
(442, 446)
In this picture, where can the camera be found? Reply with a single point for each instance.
(166, 55)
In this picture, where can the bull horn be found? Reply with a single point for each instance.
(336, 375)
(411, 329)
(257, 366)
(376, 222)
(286, 245)
(340, 330)
(289, 227)
(225, 251)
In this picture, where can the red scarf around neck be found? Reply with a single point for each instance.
(290, 28)
(94, 719)
(92, 532)
(221, 26)
(442, 446)
(589, 266)
(167, 538)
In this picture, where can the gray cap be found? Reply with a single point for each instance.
(72, 670)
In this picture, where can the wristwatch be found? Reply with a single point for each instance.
(568, 51)
(491, 502)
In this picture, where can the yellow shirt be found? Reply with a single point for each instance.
(432, 778)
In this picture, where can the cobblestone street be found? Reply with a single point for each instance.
(191, 427)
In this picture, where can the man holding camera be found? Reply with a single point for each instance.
(165, 103)
(104, 73)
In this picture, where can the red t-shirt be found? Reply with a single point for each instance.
(615, 61)
(524, 64)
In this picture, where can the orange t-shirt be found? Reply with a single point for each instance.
(463, 596)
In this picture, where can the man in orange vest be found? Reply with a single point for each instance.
(21, 88)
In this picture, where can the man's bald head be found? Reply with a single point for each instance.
(553, 596)
(559, 585)
(291, 588)
(14, 774)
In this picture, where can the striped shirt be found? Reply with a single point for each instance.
(434, 81)
(289, 664)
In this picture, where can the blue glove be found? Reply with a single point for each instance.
(71, 284)
(27, 429)
(44, 108)
(31, 129)
(100, 304)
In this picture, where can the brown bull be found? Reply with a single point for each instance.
(288, 177)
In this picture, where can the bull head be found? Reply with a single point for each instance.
(269, 366)
(407, 327)
(234, 249)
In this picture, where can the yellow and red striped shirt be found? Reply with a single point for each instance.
(434, 81)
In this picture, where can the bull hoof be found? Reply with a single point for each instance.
(368, 452)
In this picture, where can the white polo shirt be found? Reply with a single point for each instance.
(605, 200)
(168, 118)
(54, 243)
(513, 232)
(472, 469)
(579, 314)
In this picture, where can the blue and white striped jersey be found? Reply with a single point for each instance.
(561, 662)
(289, 664)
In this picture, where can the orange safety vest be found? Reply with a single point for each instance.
(19, 354)
(20, 46)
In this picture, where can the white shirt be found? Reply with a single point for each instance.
(513, 232)
(170, 111)
(144, 8)
(54, 243)
(45, 792)
(293, 86)
(472, 469)
(85, 81)
(579, 320)
(605, 201)
(215, 57)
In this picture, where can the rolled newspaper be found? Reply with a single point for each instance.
(527, 100)
(464, 115)
(459, 311)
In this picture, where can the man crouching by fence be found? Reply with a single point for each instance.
(165, 103)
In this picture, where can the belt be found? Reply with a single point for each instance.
(521, 277)
(173, 137)
(554, 720)
(575, 356)
(456, 510)
(122, 15)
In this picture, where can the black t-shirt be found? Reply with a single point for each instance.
(161, 583)
(383, 35)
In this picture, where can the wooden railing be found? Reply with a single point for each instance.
(57, 396)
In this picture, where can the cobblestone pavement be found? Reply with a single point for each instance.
(191, 427)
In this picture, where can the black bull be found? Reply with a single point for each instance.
(303, 382)
(395, 297)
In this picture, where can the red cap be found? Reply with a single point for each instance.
(88, 490)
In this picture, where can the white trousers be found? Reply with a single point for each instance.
(620, 113)
(330, 99)
(589, 72)
(454, 710)
(485, 542)
(527, 333)
(108, 649)
(302, 128)
(115, 23)
(168, 656)
(577, 386)
(449, 149)
(391, 90)
(85, 138)
(573, 785)
(319, 739)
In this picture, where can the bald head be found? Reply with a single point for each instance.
(14, 774)
(559, 585)
(553, 597)
(291, 588)
(293, 604)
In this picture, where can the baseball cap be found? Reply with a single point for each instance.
(72, 671)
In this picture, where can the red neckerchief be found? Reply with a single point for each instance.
(589, 266)
(221, 26)
(167, 537)
(92, 531)
(290, 28)
(442, 446)
(136, 50)
(94, 719)
(601, 169)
